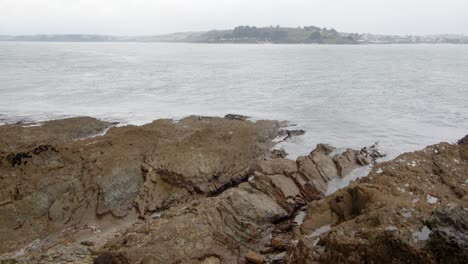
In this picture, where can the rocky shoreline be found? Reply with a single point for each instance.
(214, 190)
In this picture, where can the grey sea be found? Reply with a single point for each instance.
(403, 96)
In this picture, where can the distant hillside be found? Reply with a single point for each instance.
(251, 34)
(248, 34)
(242, 34)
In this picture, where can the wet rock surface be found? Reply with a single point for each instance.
(212, 190)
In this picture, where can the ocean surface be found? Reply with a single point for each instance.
(403, 96)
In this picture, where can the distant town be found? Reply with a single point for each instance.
(252, 34)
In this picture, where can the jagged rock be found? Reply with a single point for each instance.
(463, 141)
(228, 225)
(308, 168)
(325, 165)
(212, 166)
(464, 147)
(276, 166)
(111, 258)
(286, 187)
(155, 194)
(292, 133)
(236, 117)
(279, 243)
(372, 152)
(219, 226)
(280, 188)
(346, 161)
(279, 153)
(349, 203)
(384, 217)
(58, 179)
(21, 136)
(118, 190)
(448, 239)
(254, 258)
(200, 190)
(87, 243)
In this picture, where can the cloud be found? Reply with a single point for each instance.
(141, 17)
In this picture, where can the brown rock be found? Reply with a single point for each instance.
(236, 117)
(346, 162)
(276, 166)
(448, 238)
(165, 192)
(279, 243)
(279, 153)
(151, 260)
(463, 141)
(254, 257)
(87, 243)
(396, 214)
(308, 168)
(111, 258)
(51, 181)
(325, 165)
(24, 136)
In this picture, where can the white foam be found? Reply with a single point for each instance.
(278, 139)
(33, 125)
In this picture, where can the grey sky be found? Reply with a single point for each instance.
(143, 17)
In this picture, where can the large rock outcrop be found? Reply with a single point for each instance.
(56, 175)
(248, 222)
(411, 209)
(202, 189)
(212, 190)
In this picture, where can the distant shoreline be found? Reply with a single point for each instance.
(242, 43)
(253, 35)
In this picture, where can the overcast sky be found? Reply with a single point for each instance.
(143, 17)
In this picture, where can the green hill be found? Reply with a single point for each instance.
(247, 34)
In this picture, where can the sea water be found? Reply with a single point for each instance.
(403, 96)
